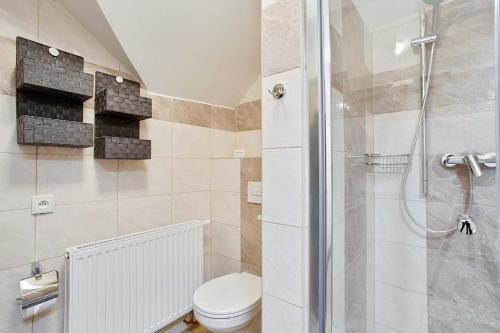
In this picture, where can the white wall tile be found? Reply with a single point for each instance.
(160, 134)
(225, 207)
(17, 238)
(190, 206)
(226, 240)
(190, 141)
(393, 226)
(225, 175)
(222, 265)
(282, 262)
(140, 214)
(8, 127)
(282, 120)
(251, 142)
(17, 183)
(400, 309)
(144, 178)
(190, 175)
(402, 266)
(282, 186)
(72, 225)
(279, 316)
(74, 179)
(19, 18)
(393, 132)
(388, 185)
(10, 316)
(51, 322)
(222, 143)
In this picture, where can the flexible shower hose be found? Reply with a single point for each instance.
(406, 171)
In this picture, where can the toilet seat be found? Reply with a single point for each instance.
(228, 296)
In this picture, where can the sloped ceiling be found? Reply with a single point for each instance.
(206, 51)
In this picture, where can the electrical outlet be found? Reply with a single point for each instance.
(239, 153)
(42, 204)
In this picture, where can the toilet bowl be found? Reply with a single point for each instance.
(228, 304)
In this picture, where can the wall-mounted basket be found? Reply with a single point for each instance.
(118, 110)
(51, 88)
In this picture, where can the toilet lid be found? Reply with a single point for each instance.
(230, 294)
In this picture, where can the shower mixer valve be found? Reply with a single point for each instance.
(472, 160)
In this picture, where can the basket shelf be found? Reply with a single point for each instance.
(119, 104)
(122, 148)
(53, 132)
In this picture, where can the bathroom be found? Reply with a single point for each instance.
(249, 166)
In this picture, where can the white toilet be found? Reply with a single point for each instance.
(228, 303)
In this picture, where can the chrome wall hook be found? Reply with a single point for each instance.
(278, 91)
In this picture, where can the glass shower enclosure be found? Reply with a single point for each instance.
(403, 135)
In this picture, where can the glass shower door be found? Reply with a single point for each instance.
(398, 264)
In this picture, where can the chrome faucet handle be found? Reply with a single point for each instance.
(450, 160)
(278, 91)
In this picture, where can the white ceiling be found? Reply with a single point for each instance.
(201, 50)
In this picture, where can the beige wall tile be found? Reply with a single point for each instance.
(141, 214)
(207, 267)
(251, 269)
(281, 36)
(222, 143)
(19, 18)
(190, 141)
(191, 113)
(17, 238)
(249, 116)
(190, 175)
(226, 240)
(223, 119)
(8, 127)
(251, 142)
(225, 175)
(190, 206)
(160, 134)
(222, 265)
(225, 207)
(17, 183)
(163, 106)
(144, 178)
(7, 66)
(74, 179)
(72, 225)
(251, 227)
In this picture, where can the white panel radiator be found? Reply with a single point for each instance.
(136, 283)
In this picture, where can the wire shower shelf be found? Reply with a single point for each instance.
(378, 163)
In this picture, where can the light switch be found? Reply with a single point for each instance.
(42, 204)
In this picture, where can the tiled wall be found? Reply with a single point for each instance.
(284, 228)
(427, 282)
(192, 173)
(461, 119)
(400, 251)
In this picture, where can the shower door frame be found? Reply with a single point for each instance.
(319, 167)
(317, 54)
